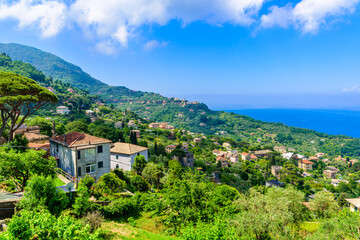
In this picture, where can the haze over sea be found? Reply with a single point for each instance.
(344, 122)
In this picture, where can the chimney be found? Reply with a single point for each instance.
(54, 129)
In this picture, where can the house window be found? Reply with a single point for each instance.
(78, 154)
(117, 165)
(90, 168)
(79, 171)
(89, 152)
(100, 149)
(117, 156)
(100, 164)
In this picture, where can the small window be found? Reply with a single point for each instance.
(79, 171)
(117, 165)
(100, 164)
(78, 154)
(117, 156)
(90, 168)
(100, 149)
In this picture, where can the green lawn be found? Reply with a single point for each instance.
(58, 182)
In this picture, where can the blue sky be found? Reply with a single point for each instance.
(227, 53)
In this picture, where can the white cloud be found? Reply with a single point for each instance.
(150, 45)
(352, 89)
(48, 16)
(113, 24)
(308, 15)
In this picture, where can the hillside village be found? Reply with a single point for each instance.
(101, 161)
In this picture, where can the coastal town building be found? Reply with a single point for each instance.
(263, 153)
(63, 110)
(170, 148)
(274, 183)
(330, 173)
(197, 140)
(354, 204)
(275, 170)
(305, 164)
(136, 132)
(123, 155)
(80, 154)
(245, 156)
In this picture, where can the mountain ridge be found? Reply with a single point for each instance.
(195, 116)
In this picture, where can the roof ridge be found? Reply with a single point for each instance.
(76, 139)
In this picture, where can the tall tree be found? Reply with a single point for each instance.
(20, 97)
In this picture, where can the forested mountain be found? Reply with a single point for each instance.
(194, 116)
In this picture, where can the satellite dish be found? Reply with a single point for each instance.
(69, 186)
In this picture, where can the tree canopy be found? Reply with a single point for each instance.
(20, 97)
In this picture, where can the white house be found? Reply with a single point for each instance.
(123, 155)
(62, 110)
(81, 154)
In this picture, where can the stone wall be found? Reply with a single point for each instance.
(7, 208)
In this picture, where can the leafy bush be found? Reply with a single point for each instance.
(138, 183)
(122, 207)
(41, 192)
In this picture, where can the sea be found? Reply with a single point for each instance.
(336, 122)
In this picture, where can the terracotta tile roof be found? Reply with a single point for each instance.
(39, 145)
(75, 139)
(126, 148)
(307, 162)
(34, 136)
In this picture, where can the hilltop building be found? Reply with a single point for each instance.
(63, 110)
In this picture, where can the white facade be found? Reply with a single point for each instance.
(125, 161)
(62, 110)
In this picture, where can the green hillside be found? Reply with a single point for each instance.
(193, 116)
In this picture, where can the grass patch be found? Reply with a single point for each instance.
(310, 226)
(58, 182)
(123, 231)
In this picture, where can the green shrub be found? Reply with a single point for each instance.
(122, 207)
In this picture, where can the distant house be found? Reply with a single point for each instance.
(131, 123)
(63, 110)
(313, 158)
(51, 89)
(224, 162)
(320, 155)
(288, 155)
(226, 145)
(80, 154)
(136, 132)
(123, 155)
(118, 125)
(281, 149)
(32, 134)
(170, 148)
(253, 157)
(262, 153)
(154, 125)
(197, 140)
(234, 158)
(275, 170)
(330, 173)
(274, 183)
(245, 156)
(354, 204)
(305, 164)
(89, 112)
